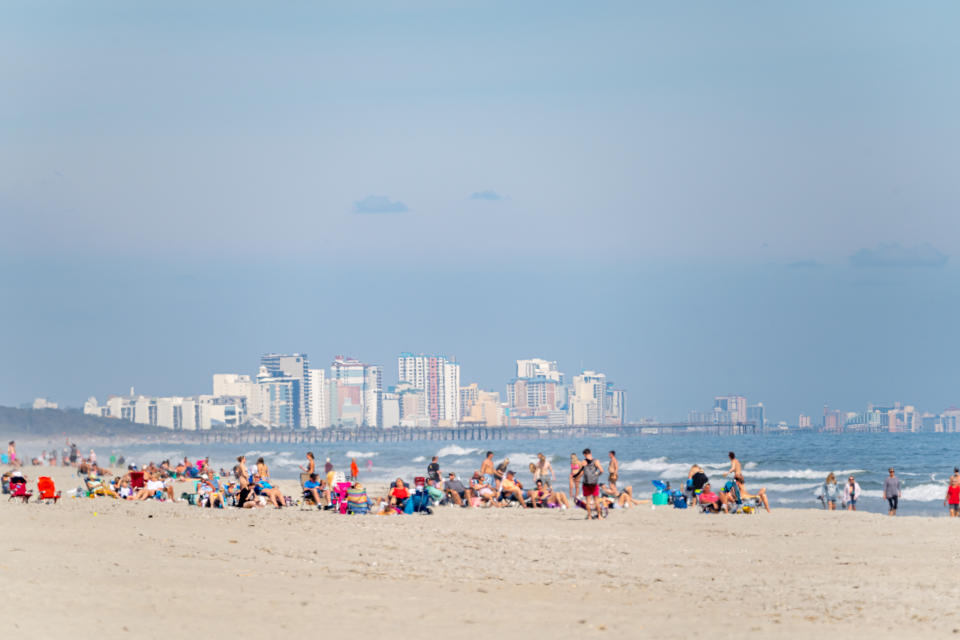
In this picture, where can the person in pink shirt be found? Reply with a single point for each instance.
(709, 500)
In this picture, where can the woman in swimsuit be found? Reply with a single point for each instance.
(311, 464)
(262, 469)
(240, 471)
(575, 465)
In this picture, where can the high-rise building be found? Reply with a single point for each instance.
(614, 408)
(440, 380)
(757, 415)
(804, 421)
(479, 406)
(587, 399)
(233, 385)
(355, 393)
(294, 368)
(537, 368)
(319, 405)
(735, 408)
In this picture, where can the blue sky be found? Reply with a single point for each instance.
(696, 199)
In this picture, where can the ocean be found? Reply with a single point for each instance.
(792, 466)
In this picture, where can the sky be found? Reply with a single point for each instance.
(694, 198)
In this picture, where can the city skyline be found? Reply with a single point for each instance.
(354, 394)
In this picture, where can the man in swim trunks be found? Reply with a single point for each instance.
(735, 468)
(891, 491)
(590, 472)
(486, 468)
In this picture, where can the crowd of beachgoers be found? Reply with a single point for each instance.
(590, 484)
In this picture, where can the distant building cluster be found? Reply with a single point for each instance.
(733, 410)
(897, 418)
(287, 393)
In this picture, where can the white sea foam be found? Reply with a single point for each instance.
(420, 459)
(455, 450)
(786, 488)
(360, 454)
(521, 460)
(921, 493)
(797, 474)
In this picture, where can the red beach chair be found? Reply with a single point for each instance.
(19, 490)
(136, 480)
(48, 491)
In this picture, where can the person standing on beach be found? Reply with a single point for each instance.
(851, 493)
(433, 469)
(891, 491)
(830, 492)
(575, 465)
(12, 453)
(591, 471)
(953, 499)
(735, 467)
(311, 467)
(613, 469)
(354, 469)
(545, 470)
(955, 478)
(328, 467)
(486, 468)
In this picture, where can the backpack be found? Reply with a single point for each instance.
(591, 473)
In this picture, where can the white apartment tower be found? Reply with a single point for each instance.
(440, 380)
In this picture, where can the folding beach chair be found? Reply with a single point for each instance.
(136, 480)
(18, 490)
(47, 489)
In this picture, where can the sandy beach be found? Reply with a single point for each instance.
(151, 569)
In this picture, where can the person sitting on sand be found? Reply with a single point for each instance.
(709, 500)
(480, 489)
(316, 491)
(622, 499)
(510, 489)
(544, 496)
(760, 495)
(399, 494)
(210, 496)
(455, 491)
(268, 491)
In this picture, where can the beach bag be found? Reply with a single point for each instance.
(591, 474)
(680, 502)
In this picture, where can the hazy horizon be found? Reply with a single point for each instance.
(695, 200)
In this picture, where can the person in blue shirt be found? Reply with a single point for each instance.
(312, 489)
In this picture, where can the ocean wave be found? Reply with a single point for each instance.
(798, 474)
(419, 459)
(921, 493)
(787, 488)
(360, 454)
(456, 450)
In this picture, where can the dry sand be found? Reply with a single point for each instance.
(157, 570)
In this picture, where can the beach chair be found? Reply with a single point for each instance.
(751, 506)
(18, 491)
(136, 480)
(47, 490)
(357, 501)
(338, 494)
